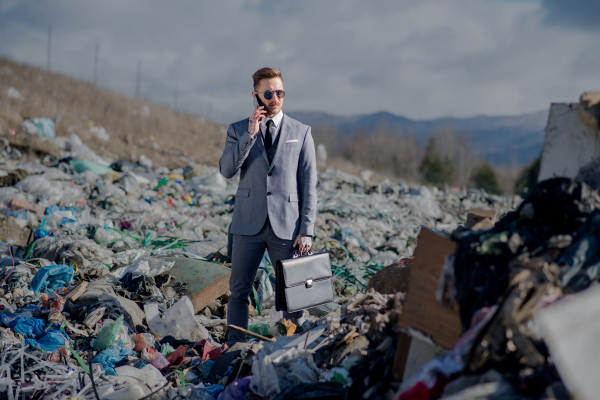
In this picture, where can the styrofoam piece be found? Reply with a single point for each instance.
(570, 329)
(569, 143)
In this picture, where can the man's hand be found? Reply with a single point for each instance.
(254, 123)
(303, 242)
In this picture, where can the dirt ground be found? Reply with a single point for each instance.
(135, 126)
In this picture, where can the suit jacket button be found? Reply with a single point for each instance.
(270, 174)
(268, 193)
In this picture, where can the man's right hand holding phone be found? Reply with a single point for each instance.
(255, 118)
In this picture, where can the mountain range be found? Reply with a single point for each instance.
(502, 140)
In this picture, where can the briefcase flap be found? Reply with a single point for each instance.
(299, 270)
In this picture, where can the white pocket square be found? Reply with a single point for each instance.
(291, 141)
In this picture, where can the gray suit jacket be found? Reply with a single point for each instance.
(286, 190)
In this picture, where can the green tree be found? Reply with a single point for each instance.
(528, 177)
(485, 178)
(435, 168)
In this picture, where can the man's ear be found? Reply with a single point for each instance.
(254, 93)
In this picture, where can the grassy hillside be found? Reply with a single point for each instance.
(135, 126)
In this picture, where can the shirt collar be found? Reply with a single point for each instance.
(276, 120)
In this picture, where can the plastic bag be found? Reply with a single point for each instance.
(40, 232)
(55, 174)
(142, 341)
(110, 356)
(51, 277)
(86, 165)
(40, 188)
(155, 358)
(260, 328)
(122, 338)
(236, 390)
(166, 349)
(51, 341)
(42, 127)
(29, 328)
(178, 356)
(100, 133)
(108, 334)
(148, 374)
(178, 321)
(214, 390)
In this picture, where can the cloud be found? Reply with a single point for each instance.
(580, 14)
(419, 58)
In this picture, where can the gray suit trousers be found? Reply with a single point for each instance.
(248, 251)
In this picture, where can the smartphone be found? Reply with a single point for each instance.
(258, 103)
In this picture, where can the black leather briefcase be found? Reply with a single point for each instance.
(303, 282)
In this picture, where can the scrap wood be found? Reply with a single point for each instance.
(77, 291)
(421, 310)
(17, 204)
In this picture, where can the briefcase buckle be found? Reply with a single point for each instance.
(297, 254)
(309, 283)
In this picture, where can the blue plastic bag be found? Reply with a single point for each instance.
(53, 340)
(40, 232)
(109, 357)
(16, 214)
(51, 210)
(236, 390)
(9, 317)
(50, 341)
(29, 328)
(51, 277)
(214, 390)
(44, 127)
(205, 368)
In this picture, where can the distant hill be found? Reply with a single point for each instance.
(501, 140)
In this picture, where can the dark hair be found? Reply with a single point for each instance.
(265, 73)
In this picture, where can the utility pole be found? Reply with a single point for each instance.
(137, 82)
(175, 95)
(96, 64)
(49, 42)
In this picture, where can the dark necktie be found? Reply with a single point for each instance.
(269, 134)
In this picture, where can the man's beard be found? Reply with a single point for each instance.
(271, 112)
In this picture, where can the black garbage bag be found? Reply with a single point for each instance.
(581, 260)
(320, 390)
(140, 285)
(554, 209)
(126, 166)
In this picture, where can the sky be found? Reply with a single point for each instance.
(418, 58)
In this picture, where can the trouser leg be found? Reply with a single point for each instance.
(281, 249)
(247, 254)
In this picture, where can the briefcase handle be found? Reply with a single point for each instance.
(298, 254)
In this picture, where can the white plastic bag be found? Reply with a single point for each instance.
(178, 321)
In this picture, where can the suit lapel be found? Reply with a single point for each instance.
(285, 130)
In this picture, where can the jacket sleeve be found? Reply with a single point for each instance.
(307, 182)
(236, 151)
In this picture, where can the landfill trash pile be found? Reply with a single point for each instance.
(98, 299)
(365, 227)
(515, 284)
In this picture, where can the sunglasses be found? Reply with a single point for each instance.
(269, 95)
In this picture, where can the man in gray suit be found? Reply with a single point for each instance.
(276, 202)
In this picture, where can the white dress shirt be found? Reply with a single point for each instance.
(276, 120)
